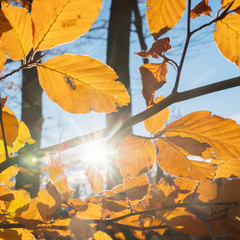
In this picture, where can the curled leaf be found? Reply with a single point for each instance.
(153, 77)
(201, 8)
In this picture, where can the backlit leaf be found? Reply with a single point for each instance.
(80, 229)
(95, 178)
(94, 211)
(17, 41)
(4, 23)
(7, 174)
(174, 161)
(2, 55)
(163, 15)
(16, 234)
(100, 236)
(201, 8)
(235, 6)
(227, 35)
(158, 48)
(59, 178)
(223, 135)
(157, 122)
(94, 81)
(6, 194)
(57, 22)
(135, 156)
(153, 77)
(207, 191)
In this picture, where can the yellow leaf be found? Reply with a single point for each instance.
(10, 126)
(235, 6)
(93, 211)
(163, 15)
(227, 35)
(223, 135)
(174, 161)
(100, 236)
(135, 156)
(6, 194)
(207, 191)
(2, 55)
(4, 23)
(57, 22)
(59, 178)
(16, 234)
(7, 174)
(80, 84)
(157, 122)
(17, 41)
(95, 178)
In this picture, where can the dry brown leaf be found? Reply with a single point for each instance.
(201, 8)
(153, 77)
(95, 178)
(135, 156)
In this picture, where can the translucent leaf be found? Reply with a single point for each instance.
(7, 174)
(16, 234)
(6, 194)
(59, 178)
(100, 236)
(95, 178)
(207, 191)
(135, 156)
(163, 15)
(4, 23)
(17, 41)
(153, 77)
(174, 161)
(235, 6)
(227, 36)
(94, 211)
(201, 8)
(80, 229)
(157, 122)
(2, 55)
(95, 88)
(62, 21)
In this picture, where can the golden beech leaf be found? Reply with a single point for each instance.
(10, 126)
(2, 55)
(95, 178)
(6, 194)
(223, 135)
(201, 8)
(229, 45)
(235, 6)
(135, 156)
(80, 84)
(158, 49)
(17, 41)
(163, 15)
(153, 77)
(100, 236)
(134, 188)
(61, 22)
(174, 161)
(207, 191)
(229, 168)
(4, 23)
(59, 178)
(157, 122)
(7, 174)
(94, 211)
(16, 234)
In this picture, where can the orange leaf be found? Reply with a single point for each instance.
(6, 194)
(174, 161)
(61, 22)
(80, 84)
(153, 77)
(157, 122)
(7, 174)
(4, 23)
(201, 8)
(235, 6)
(94, 211)
(59, 178)
(157, 50)
(163, 15)
(135, 156)
(16, 234)
(207, 191)
(17, 41)
(229, 45)
(95, 178)
(100, 236)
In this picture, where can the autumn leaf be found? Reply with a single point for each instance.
(17, 41)
(2, 55)
(6, 194)
(16, 234)
(163, 15)
(94, 211)
(201, 8)
(59, 178)
(235, 6)
(209, 130)
(157, 50)
(135, 156)
(7, 174)
(153, 77)
(93, 81)
(227, 36)
(95, 178)
(61, 22)
(173, 160)
(100, 236)
(207, 191)
(157, 122)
